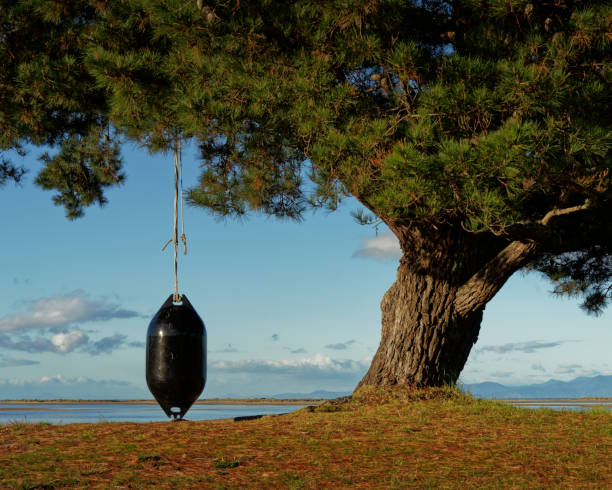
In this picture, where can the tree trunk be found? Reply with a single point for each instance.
(424, 343)
(431, 317)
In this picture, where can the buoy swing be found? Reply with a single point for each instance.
(176, 337)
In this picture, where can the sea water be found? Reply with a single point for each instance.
(577, 405)
(68, 413)
(71, 413)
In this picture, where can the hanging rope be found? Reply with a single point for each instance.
(178, 180)
(180, 156)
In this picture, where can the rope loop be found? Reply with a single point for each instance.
(184, 241)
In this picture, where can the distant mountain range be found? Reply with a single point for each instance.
(598, 386)
(314, 394)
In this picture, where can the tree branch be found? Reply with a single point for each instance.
(483, 285)
(552, 234)
(558, 212)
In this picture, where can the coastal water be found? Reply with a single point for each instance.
(67, 413)
(71, 413)
(563, 405)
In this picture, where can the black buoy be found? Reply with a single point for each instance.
(176, 356)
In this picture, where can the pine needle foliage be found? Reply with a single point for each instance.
(483, 116)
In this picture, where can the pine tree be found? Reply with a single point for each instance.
(478, 131)
(48, 97)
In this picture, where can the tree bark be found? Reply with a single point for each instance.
(431, 317)
(483, 285)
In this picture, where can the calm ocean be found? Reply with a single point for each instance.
(65, 413)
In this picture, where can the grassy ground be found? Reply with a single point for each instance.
(379, 439)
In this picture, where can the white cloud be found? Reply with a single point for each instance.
(501, 374)
(575, 370)
(341, 345)
(319, 363)
(25, 343)
(62, 311)
(263, 377)
(525, 347)
(382, 247)
(107, 344)
(58, 378)
(11, 362)
(67, 342)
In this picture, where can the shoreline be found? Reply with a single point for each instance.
(280, 401)
(206, 401)
(552, 401)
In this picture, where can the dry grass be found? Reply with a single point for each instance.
(383, 438)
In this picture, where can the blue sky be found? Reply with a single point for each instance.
(289, 307)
